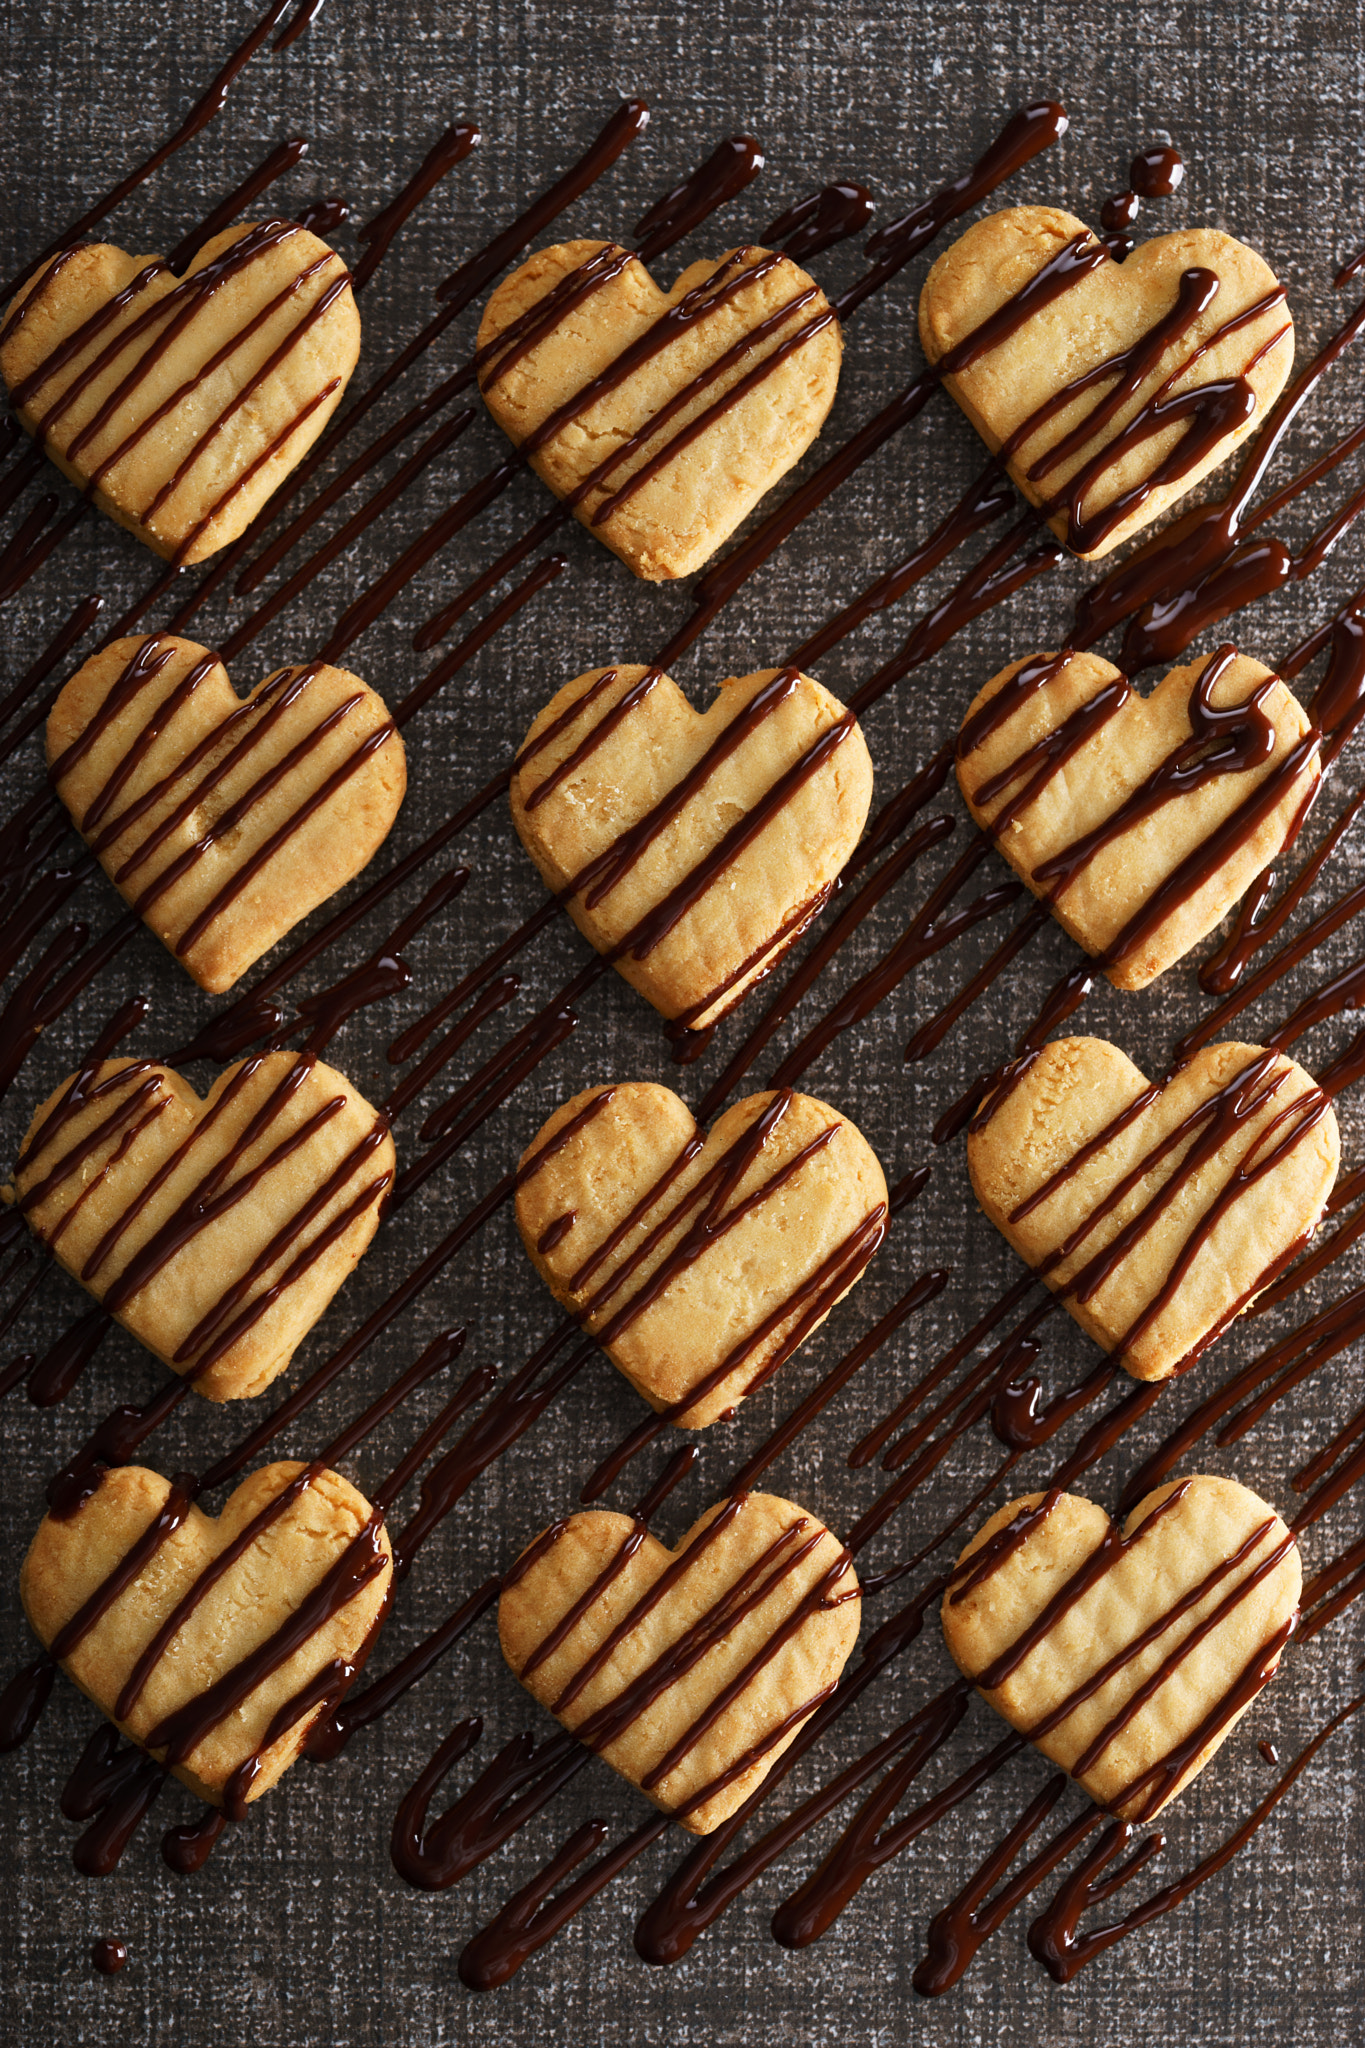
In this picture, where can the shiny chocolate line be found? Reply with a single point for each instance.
(959, 1930)
(450, 148)
(17, 698)
(927, 933)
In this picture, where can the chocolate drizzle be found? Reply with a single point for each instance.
(536, 1912)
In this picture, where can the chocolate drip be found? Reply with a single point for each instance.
(187, 1848)
(16, 700)
(516, 1784)
(108, 1957)
(732, 165)
(98, 1850)
(693, 1899)
(821, 219)
(532, 1917)
(1157, 172)
(1055, 1938)
(1024, 136)
(929, 931)
(958, 1931)
(23, 1700)
(330, 1734)
(557, 1231)
(894, 818)
(868, 1843)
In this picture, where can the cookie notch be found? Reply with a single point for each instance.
(137, 1593)
(223, 821)
(1108, 390)
(1139, 821)
(689, 1670)
(729, 376)
(215, 1231)
(698, 1261)
(180, 404)
(1126, 1654)
(692, 848)
(1155, 1211)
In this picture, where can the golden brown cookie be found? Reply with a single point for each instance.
(1140, 821)
(1086, 377)
(698, 1262)
(1127, 1655)
(661, 417)
(318, 1519)
(658, 1641)
(181, 403)
(692, 848)
(1156, 1211)
(223, 822)
(217, 1231)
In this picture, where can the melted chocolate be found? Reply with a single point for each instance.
(1157, 172)
(533, 1916)
(1055, 1938)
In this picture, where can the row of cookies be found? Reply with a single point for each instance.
(665, 910)
(217, 1231)
(1082, 1657)
(669, 1667)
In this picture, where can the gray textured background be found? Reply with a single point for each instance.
(298, 1931)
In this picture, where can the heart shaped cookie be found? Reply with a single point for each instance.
(688, 1670)
(180, 404)
(660, 417)
(1139, 821)
(215, 1231)
(692, 848)
(1108, 388)
(1127, 1655)
(1157, 1211)
(698, 1262)
(223, 821)
(217, 1624)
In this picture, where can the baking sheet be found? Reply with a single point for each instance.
(298, 1931)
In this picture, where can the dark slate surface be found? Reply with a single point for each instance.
(298, 1931)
